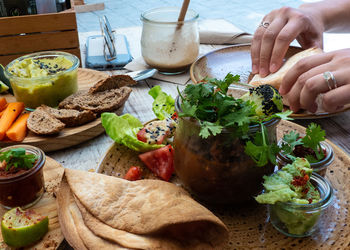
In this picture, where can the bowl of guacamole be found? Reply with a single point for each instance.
(297, 198)
(43, 78)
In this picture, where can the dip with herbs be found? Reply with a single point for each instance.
(21, 175)
(43, 78)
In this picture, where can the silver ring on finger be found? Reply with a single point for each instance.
(264, 24)
(330, 80)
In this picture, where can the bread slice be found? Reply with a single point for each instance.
(99, 102)
(112, 82)
(42, 123)
(71, 117)
(275, 79)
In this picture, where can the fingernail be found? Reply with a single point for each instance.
(263, 72)
(273, 67)
(255, 69)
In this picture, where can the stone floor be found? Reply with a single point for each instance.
(245, 14)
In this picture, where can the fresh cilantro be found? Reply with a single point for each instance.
(17, 158)
(209, 104)
(222, 85)
(260, 150)
(314, 135)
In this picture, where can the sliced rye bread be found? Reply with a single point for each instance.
(105, 101)
(71, 117)
(112, 82)
(42, 123)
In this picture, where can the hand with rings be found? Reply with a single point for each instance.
(277, 30)
(326, 73)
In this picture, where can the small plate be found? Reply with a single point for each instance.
(236, 59)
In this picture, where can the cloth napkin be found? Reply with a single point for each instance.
(217, 31)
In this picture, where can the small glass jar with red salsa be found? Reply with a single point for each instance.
(319, 167)
(216, 169)
(22, 187)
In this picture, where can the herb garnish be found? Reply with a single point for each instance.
(17, 158)
(209, 103)
(314, 135)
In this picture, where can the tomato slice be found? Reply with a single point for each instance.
(141, 135)
(160, 161)
(133, 174)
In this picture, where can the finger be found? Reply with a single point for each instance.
(334, 99)
(293, 97)
(288, 33)
(255, 49)
(313, 83)
(301, 67)
(267, 44)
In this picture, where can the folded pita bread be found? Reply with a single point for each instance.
(275, 79)
(72, 224)
(146, 214)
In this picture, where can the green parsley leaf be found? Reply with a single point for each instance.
(314, 135)
(17, 158)
(209, 128)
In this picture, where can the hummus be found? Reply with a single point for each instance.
(43, 80)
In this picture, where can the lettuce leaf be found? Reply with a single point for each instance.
(163, 105)
(123, 130)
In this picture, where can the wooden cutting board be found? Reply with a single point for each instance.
(53, 173)
(69, 136)
(249, 226)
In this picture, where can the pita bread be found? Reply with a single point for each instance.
(76, 233)
(275, 79)
(69, 230)
(146, 207)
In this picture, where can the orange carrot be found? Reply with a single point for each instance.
(10, 114)
(3, 103)
(2, 112)
(18, 130)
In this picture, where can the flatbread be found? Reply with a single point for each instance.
(75, 232)
(69, 230)
(146, 207)
(275, 79)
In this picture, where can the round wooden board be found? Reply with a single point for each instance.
(53, 173)
(237, 60)
(69, 136)
(249, 226)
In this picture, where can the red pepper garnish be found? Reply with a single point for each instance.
(310, 201)
(174, 116)
(300, 180)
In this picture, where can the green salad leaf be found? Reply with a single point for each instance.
(163, 105)
(123, 130)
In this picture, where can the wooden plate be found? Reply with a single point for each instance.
(236, 59)
(69, 136)
(53, 172)
(249, 226)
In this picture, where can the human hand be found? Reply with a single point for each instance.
(271, 40)
(305, 81)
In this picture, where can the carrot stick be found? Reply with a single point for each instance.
(18, 130)
(3, 103)
(9, 116)
(2, 112)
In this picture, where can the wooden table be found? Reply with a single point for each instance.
(86, 156)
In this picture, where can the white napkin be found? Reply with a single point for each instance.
(211, 31)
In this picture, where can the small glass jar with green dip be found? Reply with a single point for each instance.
(43, 78)
(301, 220)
